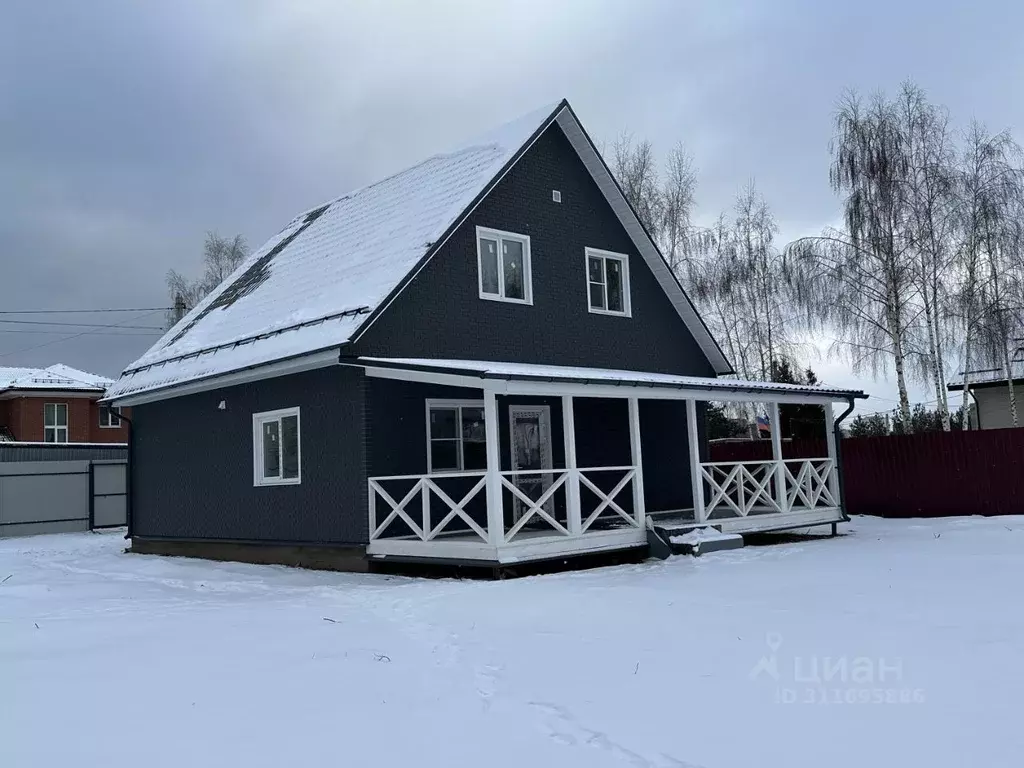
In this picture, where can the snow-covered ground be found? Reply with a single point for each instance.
(899, 644)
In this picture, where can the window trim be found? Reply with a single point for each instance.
(499, 235)
(56, 426)
(435, 402)
(258, 420)
(112, 411)
(623, 258)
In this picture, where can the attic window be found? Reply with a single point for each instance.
(607, 282)
(503, 266)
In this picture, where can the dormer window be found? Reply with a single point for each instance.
(503, 266)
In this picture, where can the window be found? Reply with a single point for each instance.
(55, 422)
(608, 282)
(503, 264)
(275, 443)
(110, 417)
(455, 436)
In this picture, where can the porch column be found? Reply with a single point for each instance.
(830, 441)
(638, 461)
(495, 511)
(781, 496)
(573, 514)
(696, 474)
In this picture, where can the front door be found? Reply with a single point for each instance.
(530, 434)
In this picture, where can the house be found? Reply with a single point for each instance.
(58, 404)
(482, 359)
(989, 390)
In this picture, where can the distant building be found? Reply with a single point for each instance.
(58, 404)
(990, 392)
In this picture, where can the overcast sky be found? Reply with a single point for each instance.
(128, 129)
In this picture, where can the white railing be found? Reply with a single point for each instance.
(578, 521)
(424, 486)
(607, 500)
(743, 487)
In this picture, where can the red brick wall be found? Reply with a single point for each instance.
(24, 416)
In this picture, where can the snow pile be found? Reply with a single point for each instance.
(898, 645)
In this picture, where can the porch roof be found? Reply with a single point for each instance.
(716, 388)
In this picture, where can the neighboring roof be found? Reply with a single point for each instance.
(557, 373)
(57, 377)
(350, 257)
(988, 376)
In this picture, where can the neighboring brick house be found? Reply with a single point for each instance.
(58, 404)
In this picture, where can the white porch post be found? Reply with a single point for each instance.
(495, 511)
(574, 516)
(638, 461)
(781, 496)
(696, 473)
(830, 441)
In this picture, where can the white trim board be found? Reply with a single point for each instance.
(299, 364)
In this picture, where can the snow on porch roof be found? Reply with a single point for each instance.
(557, 373)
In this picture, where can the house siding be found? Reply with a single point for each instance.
(440, 314)
(193, 464)
(994, 406)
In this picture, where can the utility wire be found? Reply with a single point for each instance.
(150, 334)
(73, 336)
(79, 311)
(84, 325)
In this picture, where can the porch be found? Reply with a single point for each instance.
(517, 463)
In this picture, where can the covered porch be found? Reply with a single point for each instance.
(500, 463)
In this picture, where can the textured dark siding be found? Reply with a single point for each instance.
(440, 313)
(64, 452)
(193, 463)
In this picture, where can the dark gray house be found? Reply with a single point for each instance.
(481, 359)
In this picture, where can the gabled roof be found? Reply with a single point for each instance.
(988, 376)
(323, 279)
(58, 377)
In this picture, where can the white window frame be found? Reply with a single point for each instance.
(56, 427)
(597, 253)
(113, 414)
(499, 235)
(444, 403)
(258, 420)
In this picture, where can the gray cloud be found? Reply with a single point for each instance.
(129, 129)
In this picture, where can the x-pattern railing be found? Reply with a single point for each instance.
(740, 486)
(534, 507)
(745, 486)
(423, 487)
(607, 500)
(810, 484)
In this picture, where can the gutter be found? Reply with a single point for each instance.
(838, 433)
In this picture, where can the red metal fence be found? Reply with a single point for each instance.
(935, 474)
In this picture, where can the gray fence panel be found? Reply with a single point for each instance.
(57, 496)
(108, 479)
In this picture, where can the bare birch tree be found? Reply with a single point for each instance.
(861, 281)
(221, 256)
(636, 170)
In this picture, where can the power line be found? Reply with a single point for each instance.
(73, 336)
(149, 334)
(80, 311)
(83, 325)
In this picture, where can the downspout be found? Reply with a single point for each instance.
(128, 479)
(977, 410)
(838, 434)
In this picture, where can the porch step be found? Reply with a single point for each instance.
(665, 541)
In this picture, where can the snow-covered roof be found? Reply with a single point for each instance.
(56, 377)
(988, 375)
(334, 267)
(558, 373)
